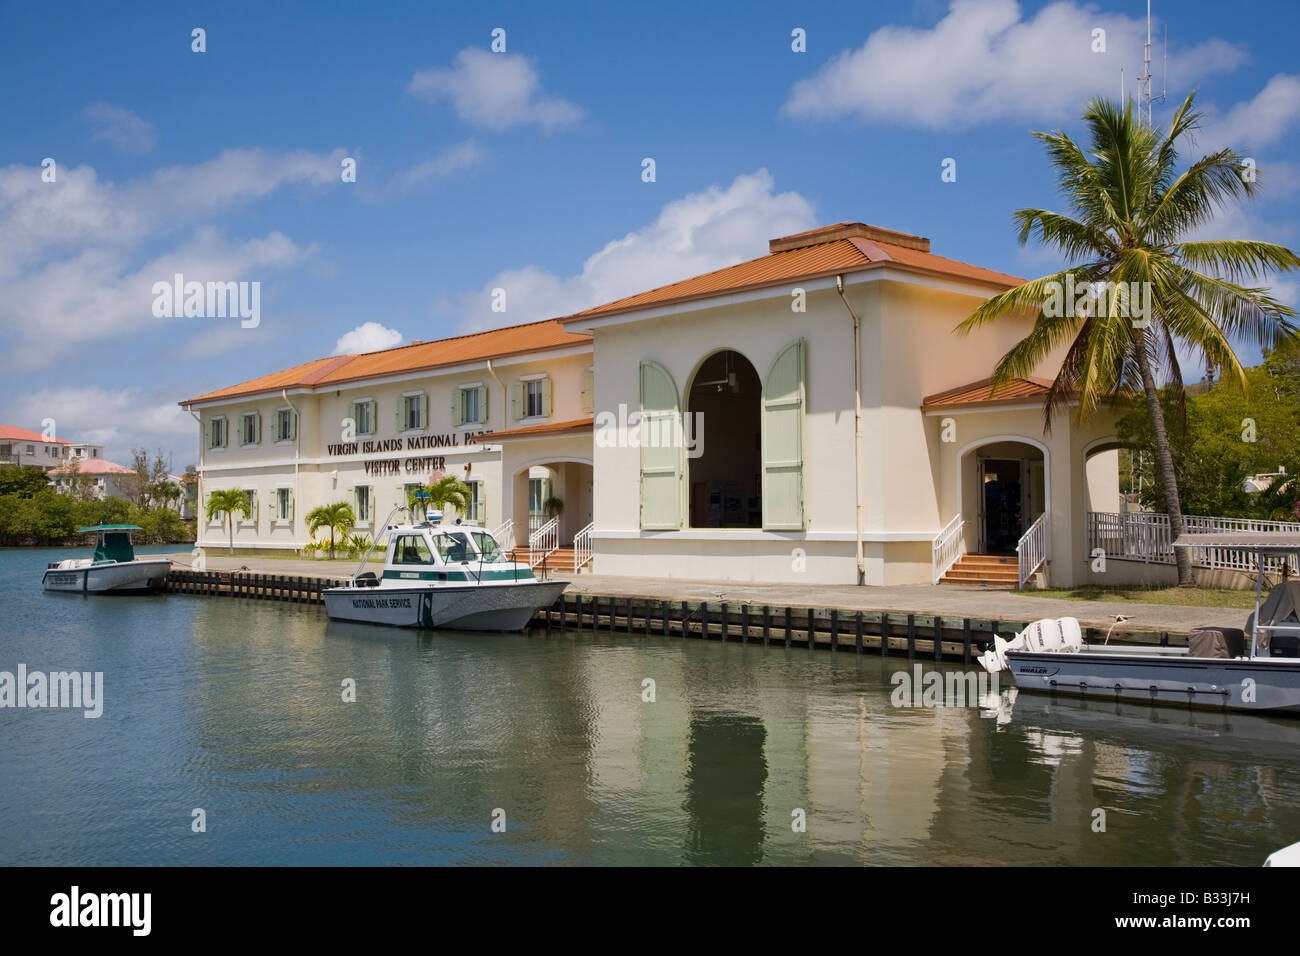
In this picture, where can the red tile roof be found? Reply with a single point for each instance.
(539, 431)
(14, 433)
(1016, 391)
(418, 356)
(818, 253)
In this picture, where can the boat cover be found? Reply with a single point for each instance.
(1220, 642)
(1282, 606)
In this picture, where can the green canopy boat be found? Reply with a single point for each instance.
(112, 568)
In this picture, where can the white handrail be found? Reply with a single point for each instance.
(543, 541)
(504, 535)
(1031, 549)
(947, 547)
(582, 547)
(1146, 536)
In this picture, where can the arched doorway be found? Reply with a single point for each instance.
(724, 400)
(1004, 488)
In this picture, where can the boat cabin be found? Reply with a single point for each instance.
(112, 542)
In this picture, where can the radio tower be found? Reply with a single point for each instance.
(1145, 87)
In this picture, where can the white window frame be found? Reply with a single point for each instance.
(279, 519)
(368, 521)
(243, 421)
(276, 424)
(478, 494)
(407, 429)
(250, 518)
(478, 421)
(225, 433)
(366, 401)
(529, 382)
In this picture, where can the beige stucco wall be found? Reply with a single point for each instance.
(319, 476)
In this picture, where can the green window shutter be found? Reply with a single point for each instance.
(290, 516)
(259, 428)
(457, 407)
(293, 425)
(661, 467)
(783, 428)
(374, 416)
(517, 400)
(211, 437)
(482, 405)
(424, 411)
(401, 413)
(546, 398)
(354, 413)
(589, 391)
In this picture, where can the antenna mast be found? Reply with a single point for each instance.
(1145, 86)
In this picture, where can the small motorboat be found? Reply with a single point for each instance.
(113, 568)
(443, 576)
(1255, 668)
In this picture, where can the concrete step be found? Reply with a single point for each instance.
(985, 570)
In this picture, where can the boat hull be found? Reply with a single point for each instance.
(127, 577)
(1260, 684)
(476, 607)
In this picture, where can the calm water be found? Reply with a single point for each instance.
(235, 707)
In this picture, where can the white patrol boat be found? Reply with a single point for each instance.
(443, 576)
(113, 567)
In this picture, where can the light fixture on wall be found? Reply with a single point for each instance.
(730, 381)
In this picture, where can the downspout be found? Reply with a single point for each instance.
(297, 449)
(505, 397)
(857, 429)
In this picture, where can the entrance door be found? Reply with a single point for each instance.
(1001, 503)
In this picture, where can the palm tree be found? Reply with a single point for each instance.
(1132, 214)
(226, 502)
(337, 517)
(448, 491)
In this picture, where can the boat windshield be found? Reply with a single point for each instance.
(454, 547)
(487, 547)
(411, 549)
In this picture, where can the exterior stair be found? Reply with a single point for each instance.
(984, 570)
(559, 561)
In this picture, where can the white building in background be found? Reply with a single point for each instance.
(22, 446)
(107, 478)
(703, 430)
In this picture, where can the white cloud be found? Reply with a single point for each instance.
(454, 159)
(494, 90)
(1254, 123)
(983, 62)
(698, 233)
(121, 128)
(367, 337)
(119, 419)
(70, 270)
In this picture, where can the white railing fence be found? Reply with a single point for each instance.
(947, 548)
(504, 533)
(582, 547)
(1140, 536)
(1031, 549)
(543, 542)
(535, 522)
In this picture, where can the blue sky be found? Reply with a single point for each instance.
(523, 170)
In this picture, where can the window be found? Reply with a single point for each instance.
(363, 415)
(412, 549)
(250, 516)
(362, 495)
(412, 412)
(250, 428)
(285, 425)
(533, 400)
(407, 491)
(469, 405)
(487, 547)
(454, 547)
(95, 453)
(31, 449)
(283, 504)
(217, 432)
(476, 509)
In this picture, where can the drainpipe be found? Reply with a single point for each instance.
(857, 429)
(297, 449)
(505, 397)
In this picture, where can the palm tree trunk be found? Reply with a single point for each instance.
(230, 529)
(1165, 458)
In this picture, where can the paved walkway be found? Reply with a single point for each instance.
(947, 601)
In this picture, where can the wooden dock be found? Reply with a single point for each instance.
(836, 629)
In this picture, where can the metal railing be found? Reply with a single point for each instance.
(947, 548)
(582, 547)
(1143, 536)
(543, 542)
(1031, 549)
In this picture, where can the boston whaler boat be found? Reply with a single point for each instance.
(443, 576)
(113, 568)
(1255, 669)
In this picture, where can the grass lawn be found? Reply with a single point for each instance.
(1188, 597)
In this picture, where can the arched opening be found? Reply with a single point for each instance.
(1004, 488)
(724, 401)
